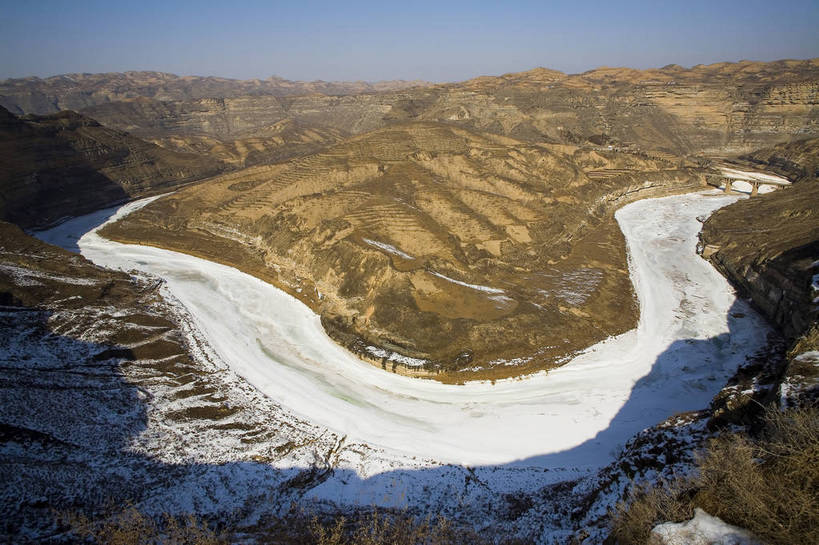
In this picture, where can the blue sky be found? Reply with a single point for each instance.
(376, 40)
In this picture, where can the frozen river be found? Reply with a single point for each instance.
(692, 335)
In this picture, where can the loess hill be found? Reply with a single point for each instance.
(718, 109)
(481, 255)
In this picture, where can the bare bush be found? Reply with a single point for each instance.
(132, 527)
(646, 506)
(768, 485)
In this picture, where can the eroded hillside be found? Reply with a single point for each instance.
(428, 243)
(76, 91)
(67, 164)
(719, 109)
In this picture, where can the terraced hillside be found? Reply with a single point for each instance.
(425, 243)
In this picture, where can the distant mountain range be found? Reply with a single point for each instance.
(718, 109)
(78, 91)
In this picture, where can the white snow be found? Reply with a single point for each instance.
(570, 421)
(754, 176)
(703, 529)
(389, 248)
(394, 356)
(478, 287)
(28, 277)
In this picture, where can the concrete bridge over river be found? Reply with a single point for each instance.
(753, 180)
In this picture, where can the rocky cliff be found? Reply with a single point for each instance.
(67, 164)
(769, 245)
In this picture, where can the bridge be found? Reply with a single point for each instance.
(754, 179)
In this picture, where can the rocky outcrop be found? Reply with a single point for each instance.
(429, 244)
(67, 164)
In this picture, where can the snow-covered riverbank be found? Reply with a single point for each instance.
(692, 335)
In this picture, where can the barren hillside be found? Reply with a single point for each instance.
(429, 243)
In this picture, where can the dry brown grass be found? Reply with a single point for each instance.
(132, 527)
(381, 529)
(646, 506)
(768, 485)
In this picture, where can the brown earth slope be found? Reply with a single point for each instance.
(472, 251)
(67, 164)
(769, 246)
(797, 160)
(720, 109)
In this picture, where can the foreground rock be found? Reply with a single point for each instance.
(430, 249)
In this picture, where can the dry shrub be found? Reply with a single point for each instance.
(768, 485)
(132, 527)
(807, 342)
(389, 529)
(647, 506)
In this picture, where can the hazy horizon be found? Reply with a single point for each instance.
(368, 41)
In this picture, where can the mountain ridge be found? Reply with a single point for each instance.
(715, 110)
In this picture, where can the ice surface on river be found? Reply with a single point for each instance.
(692, 335)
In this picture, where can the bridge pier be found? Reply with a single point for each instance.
(728, 183)
(754, 189)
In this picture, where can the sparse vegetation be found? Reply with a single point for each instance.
(132, 527)
(768, 484)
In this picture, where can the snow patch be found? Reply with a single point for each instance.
(389, 248)
(395, 356)
(478, 287)
(703, 529)
(28, 277)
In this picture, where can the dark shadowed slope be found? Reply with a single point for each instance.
(67, 164)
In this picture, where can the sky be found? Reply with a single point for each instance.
(380, 40)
